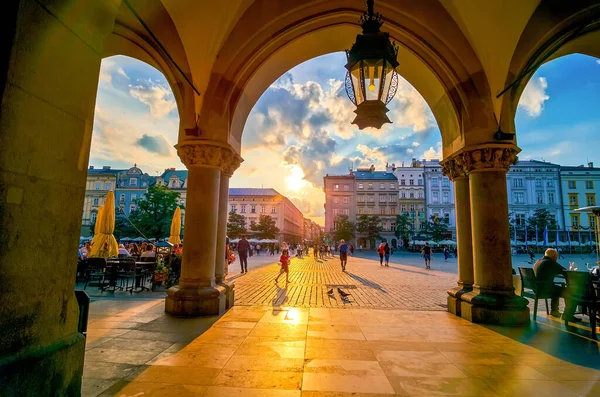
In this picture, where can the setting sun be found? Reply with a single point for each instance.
(295, 181)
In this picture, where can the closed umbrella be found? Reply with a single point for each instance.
(175, 227)
(104, 244)
(98, 220)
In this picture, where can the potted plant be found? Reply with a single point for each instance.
(161, 273)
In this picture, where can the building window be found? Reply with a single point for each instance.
(403, 181)
(132, 181)
(273, 210)
(98, 186)
(403, 195)
(243, 209)
(434, 182)
(392, 226)
(445, 182)
(346, 211)
(549, 183)
(420, 195)
(371, 199)
(540, 198)
(590, 199)
(131, 208)
(95, 201)
(403, 207)
(589, 184)
(445, 197)
(370, 211)
(108, 186)
(412, 208)
(382, 211)
(393, 199)
(447, 218)
(263, 209)
(346, 200)
(519, 197)
(253, 209)
(336, 187)
(370, 186)
(134, 198)
(382, 186)
(539, 183)
(575, 221)
(411, 181)
(573, 200)
(518, 182)
(336, 200)
(361, 198)
(360, 211)
(392, 186)
(94, 215)
(435, 197)
(572, 185)
(346, 188)
(520, 219)
(233, 208)
(592, 220)
(411, 195)
(382, 199)
(550, 198)
(392, 211)
(336, 212)
(360, 186)
(419, 182)
(121, 198)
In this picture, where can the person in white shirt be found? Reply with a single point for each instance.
(86, 249)
(149, 253)
(123, 250)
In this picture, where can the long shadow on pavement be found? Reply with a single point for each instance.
(367, 282)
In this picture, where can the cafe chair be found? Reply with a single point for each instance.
(129, 272)
(95, 271)
(529, 281)
(582, 292)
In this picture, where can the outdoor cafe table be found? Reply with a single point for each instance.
(112, 268)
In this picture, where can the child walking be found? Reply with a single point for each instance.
(285, 264)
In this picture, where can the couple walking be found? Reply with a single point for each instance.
(384, 252)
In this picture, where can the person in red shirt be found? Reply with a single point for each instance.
(285, 265)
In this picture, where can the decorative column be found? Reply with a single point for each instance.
(221, 264)
(464, 246)
(197, 294)
(492, 300)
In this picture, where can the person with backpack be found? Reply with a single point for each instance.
(386, 253)
(426, 253)
(343, 255)
(381, 252)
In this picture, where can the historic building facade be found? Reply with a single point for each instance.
(439, 195)
(254, 202)
(411, 192)
(98, 183)
(132, 184)
(580, 188)
(340, 199)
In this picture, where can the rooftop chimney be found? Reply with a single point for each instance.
(91, 167)
(591, 164)
(106, 167)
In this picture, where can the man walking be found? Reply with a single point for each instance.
(343, 254)
(243, 247)
(426, 252)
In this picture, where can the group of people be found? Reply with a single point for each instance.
(145, 250)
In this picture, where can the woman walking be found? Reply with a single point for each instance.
(381, 252)
(386, 253)
(285, 263)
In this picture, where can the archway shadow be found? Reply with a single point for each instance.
(366, 282)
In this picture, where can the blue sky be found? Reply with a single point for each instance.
(300, 128)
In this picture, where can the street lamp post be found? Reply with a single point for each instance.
(371, 81)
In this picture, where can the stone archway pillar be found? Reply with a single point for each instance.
(464, 246)
(197, 293)
(492, 300)
(221, 266)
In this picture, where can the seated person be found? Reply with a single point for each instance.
(546, 269)
(149, 253)
(123, 251)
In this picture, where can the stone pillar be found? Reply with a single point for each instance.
(492, 300)
(197, 294)
(221, 266)
(464, 246)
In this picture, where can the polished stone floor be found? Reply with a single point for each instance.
(134, 349)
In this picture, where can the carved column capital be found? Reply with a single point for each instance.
(232, 164)
(206, 153)
(481, 158)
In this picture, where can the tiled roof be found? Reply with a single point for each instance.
(580, 168)
(377, 175)
(101, 171)
(234, 191)
(181, 174)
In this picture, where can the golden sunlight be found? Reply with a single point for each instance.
(295, 180)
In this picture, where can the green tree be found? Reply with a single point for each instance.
(435, 229)
(344, 228)
(403, 226)
(369, 226)
(154, 211)
(236, 225)
(265, 228)
(541, 219)
(123, 228)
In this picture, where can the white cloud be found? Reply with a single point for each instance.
(108, 68)
(158, 97)
(533, 97)
(434, 153)
(598, 61)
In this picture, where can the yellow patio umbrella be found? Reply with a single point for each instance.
(175, 227)
(104, 244)
(98, 217)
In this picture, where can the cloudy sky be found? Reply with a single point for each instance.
(300, 128)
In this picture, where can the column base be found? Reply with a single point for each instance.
(507, 310)
(52, 370)
(229, 293)
(454, 299)
(190, 301)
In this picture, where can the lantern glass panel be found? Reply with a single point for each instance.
(357, 83)
(372, 69)
(389, 72)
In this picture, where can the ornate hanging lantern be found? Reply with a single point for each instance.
(371, 80)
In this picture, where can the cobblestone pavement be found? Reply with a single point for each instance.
(370, 285)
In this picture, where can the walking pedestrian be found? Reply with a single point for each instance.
(446, 254)
(284, 259)
(257, 249)
(343, 254)
(426, 253)
(386, 253)
(381, 252)
(351, 250)
(243, 248)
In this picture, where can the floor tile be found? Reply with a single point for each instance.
(518, 388)
(221, 391)
(346, 383)
(257, 363)
(119, 356)
(146, 389)
(504, 371)
(259, 379)
(190, 359)
(339, 354)
(107, 370)
(432, 386)
(343, 367)
(421, 370)
(171, 374)
(583, 387)
(137, 344)
(93, 387)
